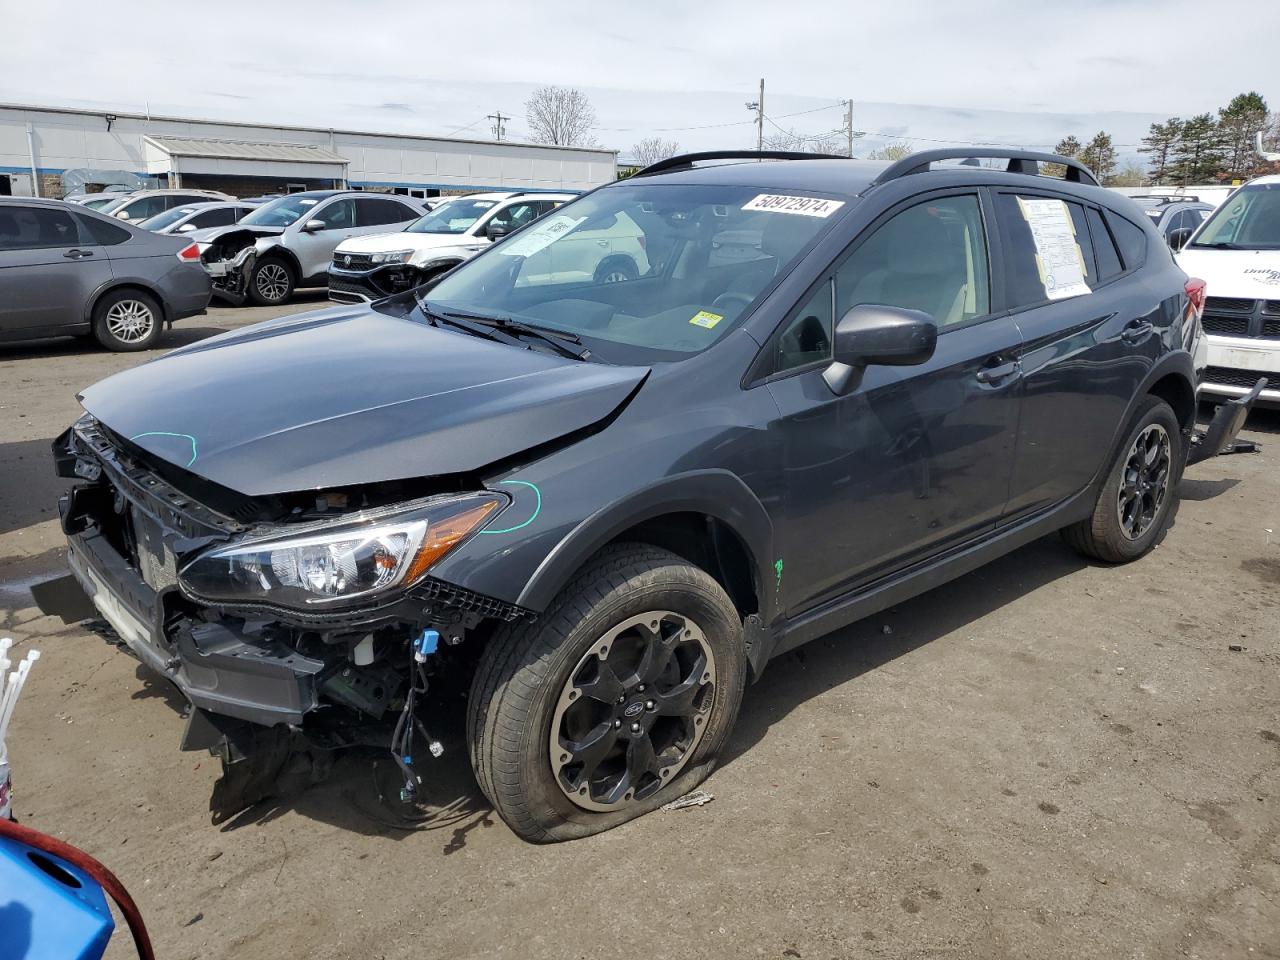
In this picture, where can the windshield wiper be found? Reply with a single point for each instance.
(557, 339)
(435, 318)
(1220, 245)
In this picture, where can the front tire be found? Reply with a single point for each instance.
(127, 321)
(1138, 499)
(272, 282)
(616, 700)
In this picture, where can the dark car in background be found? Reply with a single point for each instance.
(607, 502)
(1176, 217)
(68, 270)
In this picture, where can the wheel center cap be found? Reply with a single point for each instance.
(633, 709)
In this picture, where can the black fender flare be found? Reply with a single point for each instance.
(1177, 362)
(714, 493)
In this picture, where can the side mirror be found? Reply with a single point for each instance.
(313, 226)
(496, 231)
(186, 228)
(874, 334)
(122, 215)
(1178, 239)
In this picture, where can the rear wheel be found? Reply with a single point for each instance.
(127, 320)
(615, 701)
(272, 282)
(1136, 504)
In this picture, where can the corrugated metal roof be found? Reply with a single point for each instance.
(245, 150)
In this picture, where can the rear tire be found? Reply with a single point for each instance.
(616, 269)
(127, 321)
(550, 675)
(1138, 499)
(272, 282)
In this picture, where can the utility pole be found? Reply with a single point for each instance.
(498, 120)
(758, 107)
(848, 124)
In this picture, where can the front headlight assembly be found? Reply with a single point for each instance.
(330, 564)
(395, 256)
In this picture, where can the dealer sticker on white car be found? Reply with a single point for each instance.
(805, 206)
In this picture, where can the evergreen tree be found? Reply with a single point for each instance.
(1238, 126)
(1198, 156)
(1161, 143)
(1100, 156)
(1068, 147)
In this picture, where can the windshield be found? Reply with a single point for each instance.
(641, 272)
(114, 204)
(167, 218)
(1249, 220)
(455, 216)
(98, 203)
(282, 212)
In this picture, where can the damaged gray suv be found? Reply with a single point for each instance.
(605, 504)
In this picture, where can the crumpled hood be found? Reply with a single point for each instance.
(1251, 274)
(348, 396)
(387, 242)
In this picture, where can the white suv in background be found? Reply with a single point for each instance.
(1237, 253)
(367, 268)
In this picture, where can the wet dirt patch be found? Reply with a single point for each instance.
(1266, 569)
(1218, 819)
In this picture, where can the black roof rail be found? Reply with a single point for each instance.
(686, 160)
(1020, 161)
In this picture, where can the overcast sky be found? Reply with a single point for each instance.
(1009, 71)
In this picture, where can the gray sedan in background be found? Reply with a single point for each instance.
(71, 271)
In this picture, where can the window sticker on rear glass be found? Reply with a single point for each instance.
(805, 206)
(706, 319)
(535, 238)
(1058, 256)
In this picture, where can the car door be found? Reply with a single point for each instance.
(913, 459)
(314, 248)
(382, 215)
(48, 269)
(1083, 354)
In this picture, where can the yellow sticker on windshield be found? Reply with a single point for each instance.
(705, 318)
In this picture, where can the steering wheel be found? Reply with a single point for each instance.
(728, 300)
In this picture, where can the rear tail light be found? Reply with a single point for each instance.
(643, 242)
(1195, 293)
(191, 254)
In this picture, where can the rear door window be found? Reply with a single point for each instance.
(103, 232)
(374, 213)
(36, 228)
(1025, 279)
(221, 217)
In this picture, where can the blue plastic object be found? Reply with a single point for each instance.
(426, 644)
(49, 909)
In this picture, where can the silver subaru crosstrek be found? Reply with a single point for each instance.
(69, 271)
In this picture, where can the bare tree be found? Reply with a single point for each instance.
(826, 143)
(560, 115)
(653, 149)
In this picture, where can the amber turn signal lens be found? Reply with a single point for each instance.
(443, 535)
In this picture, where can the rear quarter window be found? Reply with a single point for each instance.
(1130, 238)
(107, 234)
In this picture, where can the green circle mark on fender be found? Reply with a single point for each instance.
(537, 506)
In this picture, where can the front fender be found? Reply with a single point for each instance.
(714, 493)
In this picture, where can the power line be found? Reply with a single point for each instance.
(498, 120)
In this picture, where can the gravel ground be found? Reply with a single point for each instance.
(1045, 758)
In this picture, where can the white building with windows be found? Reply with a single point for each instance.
(54, 151)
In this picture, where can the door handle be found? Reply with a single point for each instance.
(1136, 331)
(996, 372)
(77, 254)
